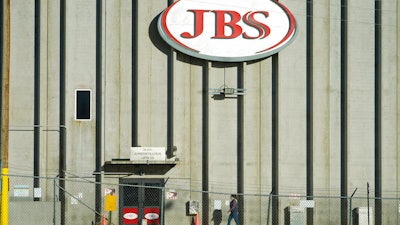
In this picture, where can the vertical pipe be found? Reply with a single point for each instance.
(134, 73)
(240, 143)
(275, 139)
(170, 101)
(36, 133)
(99, 108)
(170, 105)
(205, 161)
(378, 112)
(310, 121)
(343, 113)
(62, 149)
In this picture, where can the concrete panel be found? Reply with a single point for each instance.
(20, 154)
(360, 91)
(252, 126)
(257, 138)
(223, 132)
(112, 80)
(292, 110)
(22, 64)
(326, 111)
(80, 74)
(321, 97)
(334, 101)
(21, 87)
(117, 78)
(50, 87)
(152, 79)
(265, 124)
(182, 110)
(389, 100)
(193, 162)
(125, 68)
(390, 109)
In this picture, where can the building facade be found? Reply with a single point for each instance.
(91, 79)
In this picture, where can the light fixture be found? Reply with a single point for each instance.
(225, 90)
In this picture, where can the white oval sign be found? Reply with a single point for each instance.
(151, 216)
(130, 216)
(227, 30)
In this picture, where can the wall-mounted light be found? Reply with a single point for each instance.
(225, 90)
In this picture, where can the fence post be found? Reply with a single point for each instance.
(269, 206)
(162, 205)
(54, 201)
(351, 207)
(4, 196)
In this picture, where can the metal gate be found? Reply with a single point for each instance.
(140, 201)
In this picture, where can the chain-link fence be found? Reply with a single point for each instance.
(40, 200)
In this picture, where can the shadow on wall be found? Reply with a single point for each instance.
(155, 37)
(161, 45)
(217, 217)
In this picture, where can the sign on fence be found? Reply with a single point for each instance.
(21, 191)
(111, 203)
(111, 200)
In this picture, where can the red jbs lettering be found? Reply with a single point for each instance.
(221, 22)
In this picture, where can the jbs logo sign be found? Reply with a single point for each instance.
(227, 30)
(220, 24)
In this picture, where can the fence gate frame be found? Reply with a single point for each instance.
(134, 197)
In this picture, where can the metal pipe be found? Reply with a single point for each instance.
(62, 144)
(36, 134)
(99, 108)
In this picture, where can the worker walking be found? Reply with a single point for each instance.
(233, 210)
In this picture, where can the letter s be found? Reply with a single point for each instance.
(263, 29)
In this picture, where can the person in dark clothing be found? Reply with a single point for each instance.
(233, 210)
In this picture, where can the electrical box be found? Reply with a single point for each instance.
(360, 216)
(294, 215)
(192, 208)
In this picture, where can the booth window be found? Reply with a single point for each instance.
(83, 104)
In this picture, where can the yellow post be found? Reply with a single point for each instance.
(5, 113)
(4, 197)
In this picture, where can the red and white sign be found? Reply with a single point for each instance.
(130, 216)
(227, 30)
(152, 215)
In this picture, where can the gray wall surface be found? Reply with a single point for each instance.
(214, 137)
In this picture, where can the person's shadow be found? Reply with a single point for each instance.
(217, 217)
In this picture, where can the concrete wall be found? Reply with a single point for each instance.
(203, 123)
(29, 212)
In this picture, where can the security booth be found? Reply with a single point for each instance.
(140, 201)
